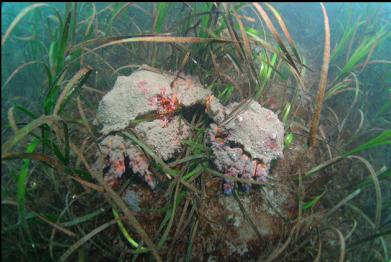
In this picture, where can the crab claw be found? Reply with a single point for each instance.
(119, 167)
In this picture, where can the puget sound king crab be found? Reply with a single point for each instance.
(243, 147)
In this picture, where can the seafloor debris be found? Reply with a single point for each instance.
(150, 103)
(245, 146)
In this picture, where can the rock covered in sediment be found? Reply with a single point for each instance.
(138, 95)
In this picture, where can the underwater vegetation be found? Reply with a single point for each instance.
(196, 131)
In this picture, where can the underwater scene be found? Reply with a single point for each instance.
(195, 131)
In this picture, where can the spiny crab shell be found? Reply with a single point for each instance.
(145, 93)
(133, 101)
(245, 146)
(151, 102)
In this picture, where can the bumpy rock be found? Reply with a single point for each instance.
(245, 146)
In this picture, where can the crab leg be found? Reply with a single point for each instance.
(228, 184)
(139, 165)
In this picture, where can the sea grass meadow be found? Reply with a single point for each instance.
(324, 69)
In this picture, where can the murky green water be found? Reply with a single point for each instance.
(59, 60)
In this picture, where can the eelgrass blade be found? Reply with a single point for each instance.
(125, 232)
(118, 10)
(191, 239)
(26, 111)
(76, 82)
(19, 68)
(342, 244)
(163, 39)
(285, 30)
(22, 14)
(57, 49)
(82, 219)
(323, 81)
(113, 196)
(177, 199)
(371, 237)
(367, 181)
(276, 36)
(376, 184)
(380, 140)
(313, 202)
(27, 129)
(11, 120)
(84, 239)
(21, 193)
(161, 14)
(50, 161)
(83, 116)
(362, 51)
(342, 44)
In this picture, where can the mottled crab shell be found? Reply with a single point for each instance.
(137, 95)
(258, 131)
(245, 146)
(165, 141)
(158, 95)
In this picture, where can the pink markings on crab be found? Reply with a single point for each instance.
(150, 181)
(119, 167)
(163, 91)
(153, 101)
(177, 139)
(228, 184)
(269, 115)
(142, 85)
(261, 172)
(111, 181)
(138, 163)
(165, 121)
(271, 143)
